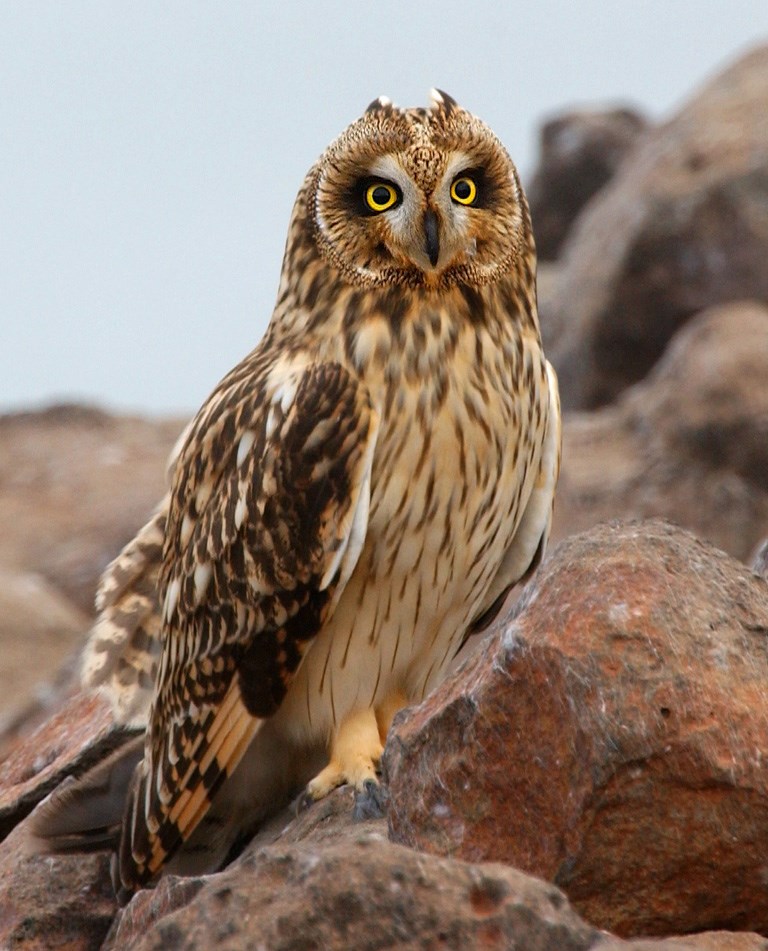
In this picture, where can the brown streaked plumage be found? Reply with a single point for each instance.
(348, 502)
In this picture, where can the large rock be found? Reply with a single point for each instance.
(62, 901)
(689, 443)
(609, 738)
(40, 629)
(326, 882)
(80, 734)
(579, 153)
(584, 688)
(682, 226)
(75, 485)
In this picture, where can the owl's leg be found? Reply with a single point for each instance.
(355, 751)
(385, 712)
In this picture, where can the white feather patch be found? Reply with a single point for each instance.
(285, 394)
(271, 422)
(171, 598)
(186, 529)
(239, 512)
(246, 444)
(202, 579)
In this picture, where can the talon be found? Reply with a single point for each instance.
(370, 802)
(302, 802)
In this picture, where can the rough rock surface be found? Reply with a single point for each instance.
(36, 621)
(345, 886)
(610, 738)
(682, 226)
(78, 735)
(689, 443)
(62, 901)
(75, 484)
(624, 707)
(323, 881)
(579, 153)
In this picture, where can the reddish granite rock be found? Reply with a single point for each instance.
(611, 737)
(78, 736)
(368, 894)
(681, 227)
(50, 902)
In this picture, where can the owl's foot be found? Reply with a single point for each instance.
(355, 752)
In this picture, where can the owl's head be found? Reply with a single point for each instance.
(421, 197)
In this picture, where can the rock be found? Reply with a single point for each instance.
(608, 738)
(364, 894)
(39, 631)
(75, 485)
(579, 152)
(706, 941)
(62, 901)
(681, 227)
(328, 882)
(689, 443)
(79, 735)
(759, 562)
(626, 715)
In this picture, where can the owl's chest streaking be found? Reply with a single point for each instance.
(455, 460)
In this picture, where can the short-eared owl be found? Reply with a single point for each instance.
(346, 505)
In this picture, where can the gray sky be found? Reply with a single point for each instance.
(150, 152)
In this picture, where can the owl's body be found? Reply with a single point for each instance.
(348, 502)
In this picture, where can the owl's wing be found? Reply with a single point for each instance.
(532, 534)
(267, 519)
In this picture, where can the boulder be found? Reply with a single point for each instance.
(608, 737)
(40, 629)
(579, 152)
(62, 901)
(324, 881)
(75, 485)
(689, 443)
(78, 735)
(682, 226)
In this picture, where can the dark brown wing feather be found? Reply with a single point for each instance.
(265, 525)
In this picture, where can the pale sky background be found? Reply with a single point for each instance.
(150, 152)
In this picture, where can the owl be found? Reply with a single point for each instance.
(350, 503)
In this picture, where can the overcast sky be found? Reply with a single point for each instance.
(150, 152)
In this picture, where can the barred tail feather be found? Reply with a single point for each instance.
(166, 804)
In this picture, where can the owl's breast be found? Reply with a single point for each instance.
(455, 461)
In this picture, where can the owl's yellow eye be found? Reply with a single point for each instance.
(464, 190)
(380, 195)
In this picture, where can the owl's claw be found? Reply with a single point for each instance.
(370, 802)
(302, 802)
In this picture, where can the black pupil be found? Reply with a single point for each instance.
(463, 189)
(381, 195)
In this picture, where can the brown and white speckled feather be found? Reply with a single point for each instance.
(350, 499)
(266, 522)
(123, 650)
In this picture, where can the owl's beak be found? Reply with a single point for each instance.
(431, 236)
